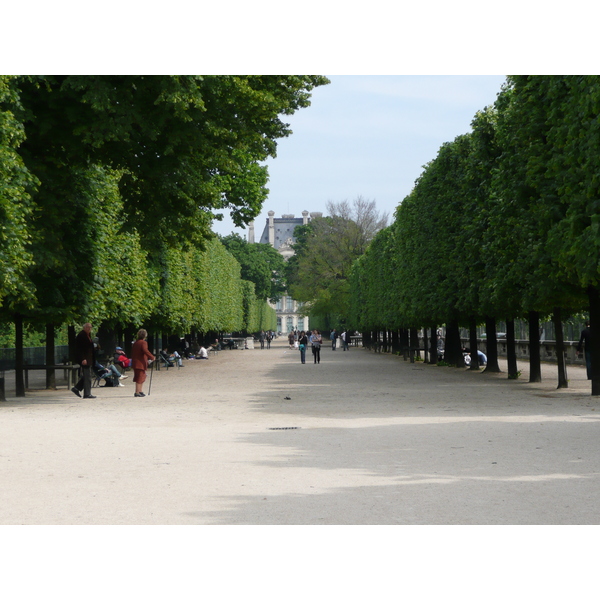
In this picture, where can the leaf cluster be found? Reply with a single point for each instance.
(504, 220)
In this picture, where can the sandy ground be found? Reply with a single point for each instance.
(255, 437)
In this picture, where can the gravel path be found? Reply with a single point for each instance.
(255, 437)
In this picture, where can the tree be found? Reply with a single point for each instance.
(574, 236)
(171, 152)
(188, 146)
(325, 249)
(261, 264)
(527, 208)
(16, 206)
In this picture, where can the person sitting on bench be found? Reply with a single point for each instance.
(110, 375)
(121, 359)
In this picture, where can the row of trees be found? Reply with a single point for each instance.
(325, 249)
(504, 223)
(108, 190)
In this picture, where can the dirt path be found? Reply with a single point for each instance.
(255, 437)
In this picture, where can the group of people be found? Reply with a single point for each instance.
(265, 337)
(85, 356)
(315, 341)
(300, 341)
(344, 337)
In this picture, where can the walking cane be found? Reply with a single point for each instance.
(151, 372)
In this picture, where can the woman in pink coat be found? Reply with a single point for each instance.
(139, 361)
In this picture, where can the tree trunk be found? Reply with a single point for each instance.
(404, 342)
(560, 349)
(108, 340)
(71, 335)
(511, 353)
(453, 353)
(594, 297)
(129, 335)
(50, 374)
(535, 367)
(433, 339)
(473, 343)
(395, 343)
(413, 343)
(492, 346)
(19, 381)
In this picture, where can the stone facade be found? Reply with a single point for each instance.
(280, 234)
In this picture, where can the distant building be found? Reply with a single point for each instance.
(280, 234)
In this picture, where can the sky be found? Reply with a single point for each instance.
(367, 136)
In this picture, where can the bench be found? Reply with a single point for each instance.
(68, 369)
(232, 343)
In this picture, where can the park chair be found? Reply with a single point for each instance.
(167, 360)
(99, 376)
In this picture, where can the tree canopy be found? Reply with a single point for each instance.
(325, 249)
(502, 223)
(261, 264)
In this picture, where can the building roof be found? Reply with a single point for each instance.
(284, 230)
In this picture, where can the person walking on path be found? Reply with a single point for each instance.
(84, 355)
(344, 337)
(139, 361)
(303, 342)
(316, 340)
(333, 337)
(269, 338)
(262, 339)
(585, 345)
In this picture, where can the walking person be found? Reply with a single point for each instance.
(84, 355)
(262, 339)
(139, 361)
(316, 341)
(333, 337)
(585, 345)
(269, 338)
(303, 342)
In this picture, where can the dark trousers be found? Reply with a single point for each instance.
(85, 381)
(317, 354)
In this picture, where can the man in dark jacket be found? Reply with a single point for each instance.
(84, 355)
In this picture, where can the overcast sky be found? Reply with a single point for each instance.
(368, 136)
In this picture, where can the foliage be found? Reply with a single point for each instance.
(16, 186)
(188, 146)
(325, 250)
(261, 264)
(32, 338)
(501, 222)
(109, 185)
